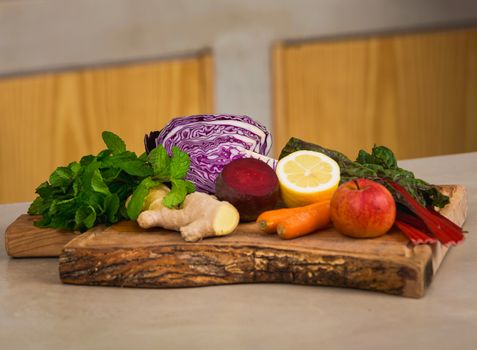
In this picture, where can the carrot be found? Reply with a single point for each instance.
(308, 219)
(268, 220)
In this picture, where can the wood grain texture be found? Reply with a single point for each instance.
(415, 93)
(49, 120)
(23, 239)
(125, 255)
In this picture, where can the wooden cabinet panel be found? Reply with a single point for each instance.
(48, 120)
(415, 93)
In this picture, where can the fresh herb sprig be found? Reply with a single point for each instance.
(166, 169)
(378, 165)
(94, 190)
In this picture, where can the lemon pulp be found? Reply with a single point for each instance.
(307, 177)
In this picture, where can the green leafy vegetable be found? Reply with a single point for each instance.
(180, 163)
(114, 142)
(160, 161)
(137, 200)
(377, 165)
(94, 190)
(180, 188)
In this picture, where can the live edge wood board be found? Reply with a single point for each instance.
(126, 256)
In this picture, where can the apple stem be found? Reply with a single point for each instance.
(357, 184)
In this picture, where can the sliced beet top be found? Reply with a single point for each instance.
(250, 185)
(250, 176)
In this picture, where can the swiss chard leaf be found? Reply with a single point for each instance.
(385, 156)
(380, 155)
(295, 144)
(377, 165)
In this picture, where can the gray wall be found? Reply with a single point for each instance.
(50, 34)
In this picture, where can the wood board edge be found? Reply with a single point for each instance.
(24, 240)
(204, 265)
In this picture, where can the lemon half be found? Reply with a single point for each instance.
(307, 177)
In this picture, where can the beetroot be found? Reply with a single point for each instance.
(250, 185)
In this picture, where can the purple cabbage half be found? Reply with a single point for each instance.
(213, 141)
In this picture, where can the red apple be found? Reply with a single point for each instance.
(362, 208)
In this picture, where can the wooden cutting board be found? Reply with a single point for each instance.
(125, 255)
(24, 240)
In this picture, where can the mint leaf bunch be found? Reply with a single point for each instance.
(170, 170)
(94, 190)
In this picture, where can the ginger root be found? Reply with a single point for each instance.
(201, 216)
(154, 198)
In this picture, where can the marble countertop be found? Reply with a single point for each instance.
(38, 312)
